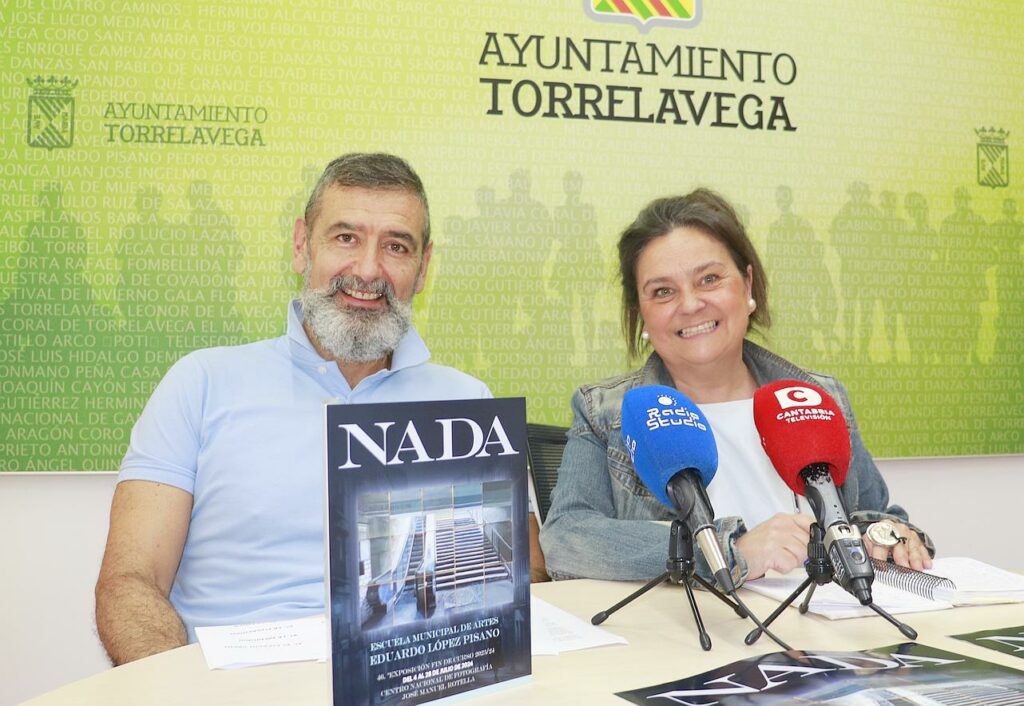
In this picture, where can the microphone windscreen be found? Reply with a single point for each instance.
(800, 424)
(666, 433)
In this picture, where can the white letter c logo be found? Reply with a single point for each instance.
(797, 397)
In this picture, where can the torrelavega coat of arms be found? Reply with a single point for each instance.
(51, 112)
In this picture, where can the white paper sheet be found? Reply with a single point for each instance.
(834, 603)
(237, 646)
(554, 631)
(978, 582)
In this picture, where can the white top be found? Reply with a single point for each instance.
(746, 484)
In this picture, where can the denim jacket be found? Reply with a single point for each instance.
(600, 521)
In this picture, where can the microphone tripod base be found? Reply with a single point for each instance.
(819, 572)
(805, 604)
(680, 567)
(702, 633)
(754, 634)
(604, 614)
(905, 629)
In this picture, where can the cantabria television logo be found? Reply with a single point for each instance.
(646, 14)
(797, 397)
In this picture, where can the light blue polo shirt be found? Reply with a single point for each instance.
(242, 430)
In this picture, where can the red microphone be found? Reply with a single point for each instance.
(804, 434)
(800, 424)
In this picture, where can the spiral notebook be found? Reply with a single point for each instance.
(950, 581)
(924, 584)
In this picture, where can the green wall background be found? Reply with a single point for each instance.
(148, 199)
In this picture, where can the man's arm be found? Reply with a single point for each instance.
(148, 525)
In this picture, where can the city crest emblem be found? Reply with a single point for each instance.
(646, 14)
(993, 157)
(51, 112)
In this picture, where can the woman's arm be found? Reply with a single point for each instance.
(581, 536)
(872, 502)
(585, 534)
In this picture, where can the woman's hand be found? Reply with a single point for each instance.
(910, 553)
(779, 543)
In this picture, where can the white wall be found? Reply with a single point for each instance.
(52, 529)
(969, 506)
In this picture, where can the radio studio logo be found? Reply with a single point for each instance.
(646, 14)
(789, 397)
(993, 157)
(51, 112)
(671, 414)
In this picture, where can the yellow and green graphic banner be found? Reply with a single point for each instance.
(154, 157)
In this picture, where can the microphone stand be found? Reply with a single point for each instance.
(680, 570)
(819, 572)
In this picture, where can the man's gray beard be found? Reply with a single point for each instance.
(350, 334)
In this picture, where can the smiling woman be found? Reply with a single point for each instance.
(696, 304)
(692, 288)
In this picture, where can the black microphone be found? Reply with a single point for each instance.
(804, 434)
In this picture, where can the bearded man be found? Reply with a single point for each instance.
(217, 518)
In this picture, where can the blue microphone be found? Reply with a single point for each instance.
(675, 455)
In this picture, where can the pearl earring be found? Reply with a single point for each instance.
(645, 336)
(751, 304)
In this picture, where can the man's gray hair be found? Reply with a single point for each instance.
(369, 170)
